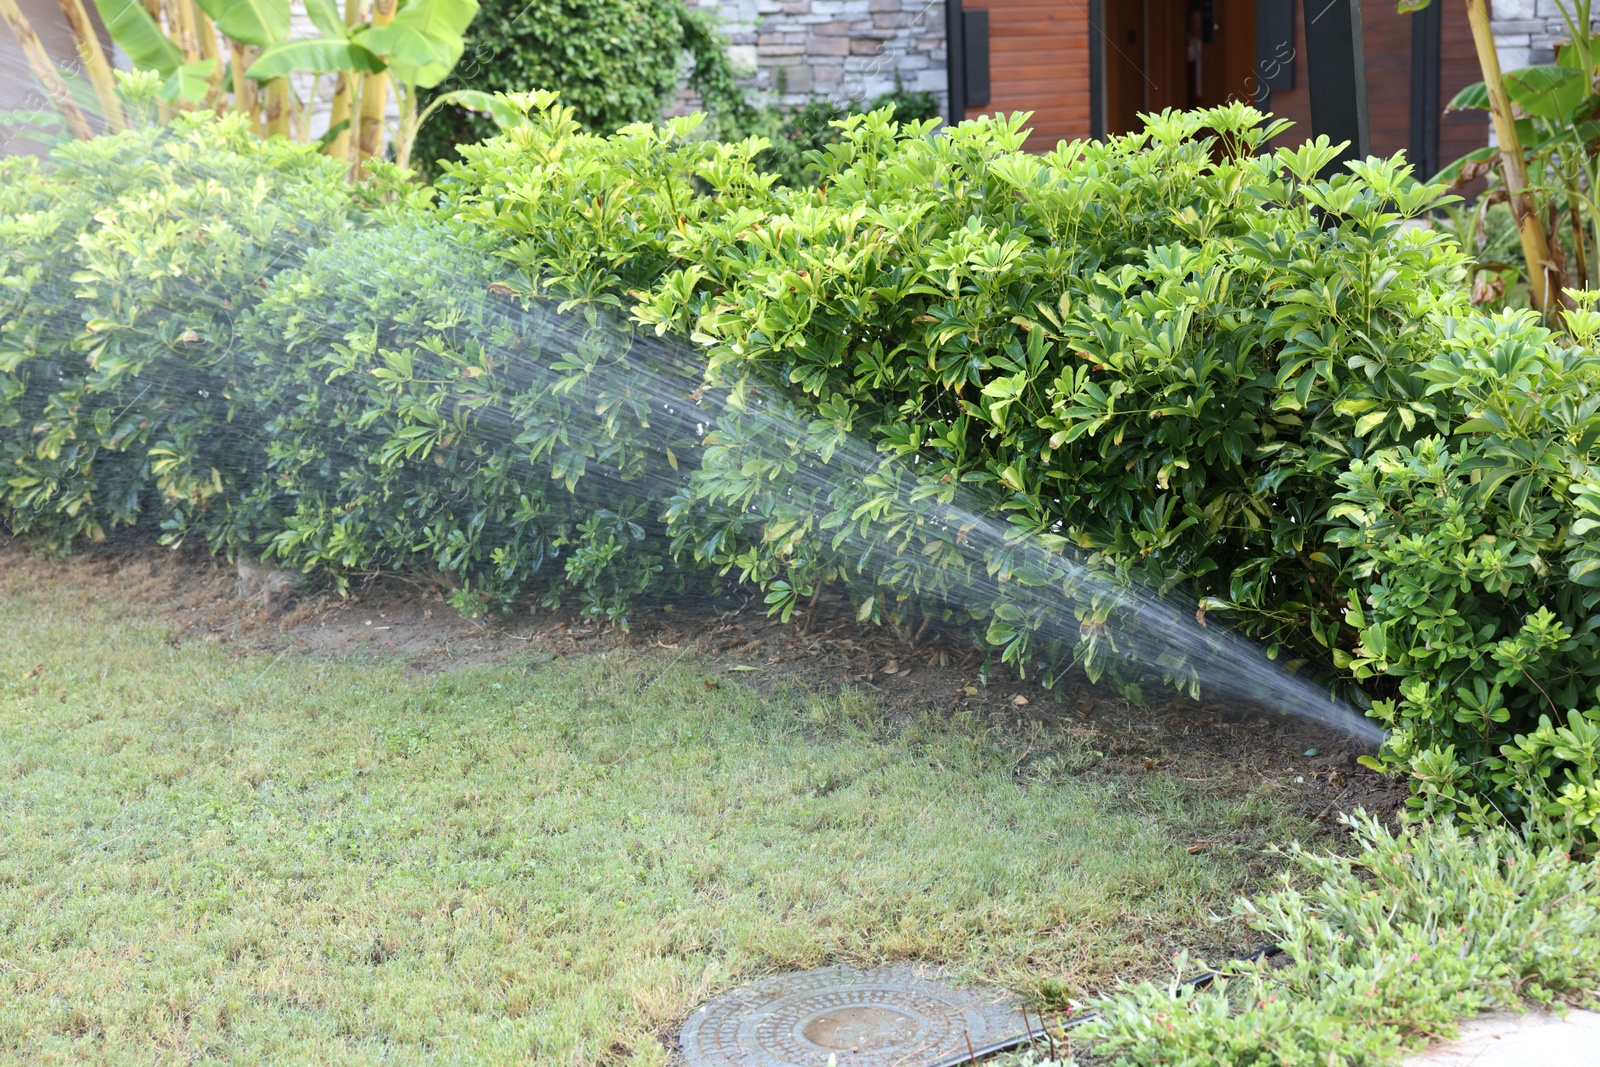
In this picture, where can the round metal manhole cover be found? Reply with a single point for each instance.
(895, 1016)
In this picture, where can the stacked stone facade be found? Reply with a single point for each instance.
(800, 50)
(1526, 32)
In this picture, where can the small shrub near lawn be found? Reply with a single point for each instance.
(1479, 569)
(1391, 946)
(218, 334)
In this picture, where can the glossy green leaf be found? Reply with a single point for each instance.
(492, 104)
(1474, 96)
(131, 26)
(319, 55)
(1547, 91)
(325, 16)
(424, 40)
(257, 22)
(189, 83)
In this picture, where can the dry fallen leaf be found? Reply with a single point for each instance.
(1192, 849)
(35, 672)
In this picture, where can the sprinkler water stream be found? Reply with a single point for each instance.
(955, 548)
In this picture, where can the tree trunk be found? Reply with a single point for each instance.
(343, 94)
(94, 64)
(276, 117)
(44, 69)
(1544, 283)
(375, 93)
(246, 94)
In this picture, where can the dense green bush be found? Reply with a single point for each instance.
(941, 296)
(124, 273)
(220, 335)
(968, 382)
(1479, 571)
(798, 134)
(420, 417)
(1160, 353)
(614, 62)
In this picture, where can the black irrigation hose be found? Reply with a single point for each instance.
(1031, 1036)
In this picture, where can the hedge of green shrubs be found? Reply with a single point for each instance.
(221, 337)
(1185, 360)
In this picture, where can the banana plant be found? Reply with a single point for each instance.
(370, 46)
(1547, 128)
(1557, 117)
(414, 48)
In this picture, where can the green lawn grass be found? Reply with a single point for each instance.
(280, 859)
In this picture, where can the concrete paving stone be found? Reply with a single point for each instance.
(1505, 1039)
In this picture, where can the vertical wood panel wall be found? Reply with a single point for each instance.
(1386, 39)
(1039, 62)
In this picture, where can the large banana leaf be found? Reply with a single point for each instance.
(440, 19)
(423, 75)
(189, 83)
(424, 40)
(1548, 91)
(319, 55)
(131, 26)
(495, 105)
(325, 17)
(1474, 96)
(257, 22)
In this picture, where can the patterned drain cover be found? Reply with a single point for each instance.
(895, 1016)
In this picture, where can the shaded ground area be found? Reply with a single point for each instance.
(266, 837)
(1231, 749)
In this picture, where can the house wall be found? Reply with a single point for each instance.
(1039, 62)
(1527, 31)
(841, 50)
(1386, 44)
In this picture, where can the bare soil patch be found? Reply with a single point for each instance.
(1075, 728)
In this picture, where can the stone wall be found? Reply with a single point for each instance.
(1526, 32)
(840, 50)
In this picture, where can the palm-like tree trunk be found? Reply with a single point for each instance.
(1544, 282)
(44, 69)
(375, 93)
(95, 64)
